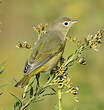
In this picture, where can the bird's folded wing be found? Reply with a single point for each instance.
(46, 48)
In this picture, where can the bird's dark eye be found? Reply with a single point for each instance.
(66, 23)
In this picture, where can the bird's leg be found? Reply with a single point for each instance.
(37, 81)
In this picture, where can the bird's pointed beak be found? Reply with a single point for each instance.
(74, 21)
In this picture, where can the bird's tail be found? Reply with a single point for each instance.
(23, 82)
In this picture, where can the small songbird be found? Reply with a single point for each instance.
(47, 51)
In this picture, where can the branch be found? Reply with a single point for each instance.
(60, 77)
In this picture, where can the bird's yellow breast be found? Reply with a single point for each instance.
(52, 63)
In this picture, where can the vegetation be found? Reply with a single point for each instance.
(85, 72)
(59, 80)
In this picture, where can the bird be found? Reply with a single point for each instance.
(47, 51)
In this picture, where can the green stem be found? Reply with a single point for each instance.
(60, 98)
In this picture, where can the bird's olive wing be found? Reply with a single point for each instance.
(48, 47)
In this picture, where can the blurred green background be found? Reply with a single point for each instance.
(16, 20)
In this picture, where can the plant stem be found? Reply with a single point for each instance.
(27, 104)
(60, 98)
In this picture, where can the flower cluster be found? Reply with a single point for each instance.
(61, 78)
(93, 41)
(24, 44)
(82, 61)
(40, 28)
(63, 81)
(74, 39)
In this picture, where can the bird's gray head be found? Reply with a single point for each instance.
(63, 24)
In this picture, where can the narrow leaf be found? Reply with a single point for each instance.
(17, 103)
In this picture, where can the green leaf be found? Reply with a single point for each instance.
(2, 68)
(17, 103)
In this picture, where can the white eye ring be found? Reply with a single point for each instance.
(66, 23)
